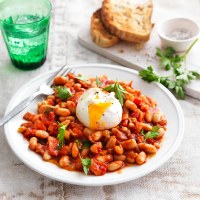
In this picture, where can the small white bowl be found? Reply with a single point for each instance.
(178, 33)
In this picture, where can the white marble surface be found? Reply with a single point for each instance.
(179, 178)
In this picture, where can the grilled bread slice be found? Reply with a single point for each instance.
(99, 34)
(130, 20)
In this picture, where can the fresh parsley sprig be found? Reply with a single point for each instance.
(61, 134)
(119, 90)
(86, 162)
(63, 92)
(180, 77)
(151, 134)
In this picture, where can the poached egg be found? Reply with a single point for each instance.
(99, 110)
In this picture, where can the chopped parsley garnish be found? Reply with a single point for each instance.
(119, 90)
(151, 134)
(98, 82)
(61, 135)
(63, 92)
(86, 162)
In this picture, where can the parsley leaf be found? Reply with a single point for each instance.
(61, 135)
(86, 144)
(149, 75)
(119, 90)
(98, 82)
(86, 162)
(63, 92)
(151, 134)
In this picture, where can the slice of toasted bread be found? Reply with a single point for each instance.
(130, 20)
(99, 34)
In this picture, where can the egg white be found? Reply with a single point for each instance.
(110, 118)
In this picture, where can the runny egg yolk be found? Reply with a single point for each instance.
(95, 112)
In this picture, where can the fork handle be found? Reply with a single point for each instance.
(21, 106)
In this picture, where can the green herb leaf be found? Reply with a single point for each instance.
(98, 82)
(119, 91)
(86, 144)
(63, 92)
(61, 135)
(86, 162)
(152, 134)
(180, 77)
(149, 75)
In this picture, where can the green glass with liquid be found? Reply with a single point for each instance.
(25, 29)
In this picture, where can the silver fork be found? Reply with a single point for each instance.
(44, 89)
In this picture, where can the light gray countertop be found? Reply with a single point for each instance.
(178, 178)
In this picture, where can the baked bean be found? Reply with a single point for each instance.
(146, 127)
(87, 132)
(21, 129)
(67, 135)
(157, 145)
(129, 96)
(148, 116)
(60, 80)
(120, 135)
(144, 99)
(85, 152)
(64, 161)
(77, 87)
(75, 150)
(41, 134)
(125, 130)
(106, 133)
(46, 156)
(148, 148)
(115, 165)
(106, 158)
(131, 156)
(144, 107)
(39, 148)
(71, 106)
(95, 148)
(141, 158)
(128, 89)
(119, 149)
(71, 118)
(119, 157)
(157, 117)
(111, 142)
(66, 122)
(42, 109)
(96, 136)
(63, 104)
(63, 112)
(129, 144)
(130, 105)
(161, 132)
(32, 143)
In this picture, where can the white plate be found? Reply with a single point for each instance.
(166, 102)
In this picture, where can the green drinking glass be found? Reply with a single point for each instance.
(25, 29)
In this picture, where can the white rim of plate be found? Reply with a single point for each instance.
(111, 182)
